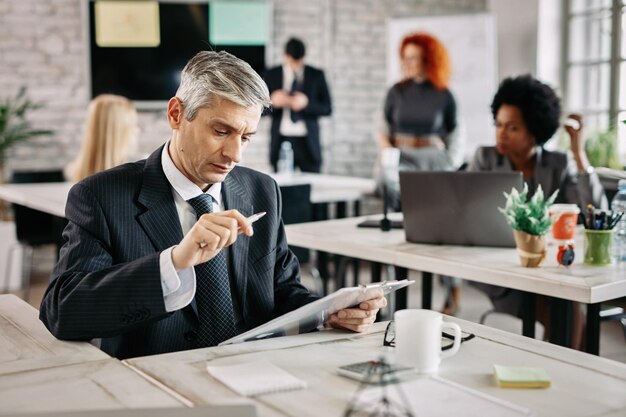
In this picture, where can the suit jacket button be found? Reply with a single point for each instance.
(191, 336)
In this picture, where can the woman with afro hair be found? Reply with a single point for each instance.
(526, 114)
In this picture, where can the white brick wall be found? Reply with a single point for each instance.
(42, 47)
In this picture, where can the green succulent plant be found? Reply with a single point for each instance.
(14, 126)
(528, 215)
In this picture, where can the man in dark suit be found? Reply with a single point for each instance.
(154, 260)
(299, 97)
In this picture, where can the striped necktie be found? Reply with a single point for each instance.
(213, 298)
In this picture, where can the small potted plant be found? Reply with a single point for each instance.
(530, 221)
(15, 128)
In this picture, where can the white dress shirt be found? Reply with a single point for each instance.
(287, 126)
(179, 288)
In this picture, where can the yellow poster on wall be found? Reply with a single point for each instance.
(129, 24)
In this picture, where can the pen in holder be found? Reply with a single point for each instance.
(599, 226)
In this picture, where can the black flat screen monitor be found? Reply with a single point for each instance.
(150, 75)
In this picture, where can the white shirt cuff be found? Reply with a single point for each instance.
(179, 288)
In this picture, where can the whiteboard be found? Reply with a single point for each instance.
(471, 43)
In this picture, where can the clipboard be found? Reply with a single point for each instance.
(310, 316)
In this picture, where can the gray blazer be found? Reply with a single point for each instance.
(107, 284)
(553, 171)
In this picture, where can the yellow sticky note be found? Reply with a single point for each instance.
(127, 24)
(520, 377)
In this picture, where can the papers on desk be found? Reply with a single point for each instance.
(611, 173)
(438, 397)
(255, 378)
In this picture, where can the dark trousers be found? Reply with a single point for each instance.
(302, 157)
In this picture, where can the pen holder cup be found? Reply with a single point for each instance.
(598, 247)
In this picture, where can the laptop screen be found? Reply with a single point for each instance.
(457, 208)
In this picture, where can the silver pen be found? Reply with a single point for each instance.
(251, 219)
(256, 216)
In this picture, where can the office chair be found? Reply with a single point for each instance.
(34, 228)
(297, 208)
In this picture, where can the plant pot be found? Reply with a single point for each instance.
(531, 248)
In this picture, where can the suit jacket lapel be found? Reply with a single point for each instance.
(156, 197)
(160, 220)
(236, 197)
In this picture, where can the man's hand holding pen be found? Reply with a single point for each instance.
(211, 233)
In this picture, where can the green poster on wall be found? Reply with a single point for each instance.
(243, 23)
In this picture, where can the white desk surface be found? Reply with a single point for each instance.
(26, 344)
(499, 266)
(51, 197)
(582, 384)
(329, 188)
(95, 385)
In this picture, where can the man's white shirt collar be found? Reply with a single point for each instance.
(183, 186)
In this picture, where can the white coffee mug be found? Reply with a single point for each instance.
(418, 339)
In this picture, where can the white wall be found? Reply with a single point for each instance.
(516, 28)
(42, 47)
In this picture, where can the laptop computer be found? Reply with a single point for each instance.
(457, 208)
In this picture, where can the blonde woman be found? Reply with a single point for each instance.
(110, 136)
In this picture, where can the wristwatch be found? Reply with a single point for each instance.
(590, 170)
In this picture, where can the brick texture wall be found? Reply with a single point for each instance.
(42, 46)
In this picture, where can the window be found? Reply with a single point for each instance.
(594, 77)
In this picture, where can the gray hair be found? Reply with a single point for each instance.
(212, 74)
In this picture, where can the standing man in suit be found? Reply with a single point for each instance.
(159, 255)
(299, 97)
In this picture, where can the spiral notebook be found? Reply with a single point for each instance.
(255, 378)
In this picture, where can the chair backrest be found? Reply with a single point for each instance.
(33, 227)
(297, 208)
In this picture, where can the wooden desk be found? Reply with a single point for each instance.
(26, 344)
(51, 197)
(582, 385)
(329, 188)
(94, 385)
(48, 197)
(498, 266)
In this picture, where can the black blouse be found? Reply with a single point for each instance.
(419, 109)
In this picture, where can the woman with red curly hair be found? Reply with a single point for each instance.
(420, 119)
(420, 111)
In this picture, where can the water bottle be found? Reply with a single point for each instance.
(285, 159)
(619, 231)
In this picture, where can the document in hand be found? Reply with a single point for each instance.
(255, 378)
(310, 316)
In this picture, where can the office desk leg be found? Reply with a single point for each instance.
(377, 271)
(560, 322)
(530, 314)
(592, 337)
(402, 294)
(427, 290)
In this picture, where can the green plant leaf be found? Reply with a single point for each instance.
(528, 215)
(14, 125)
